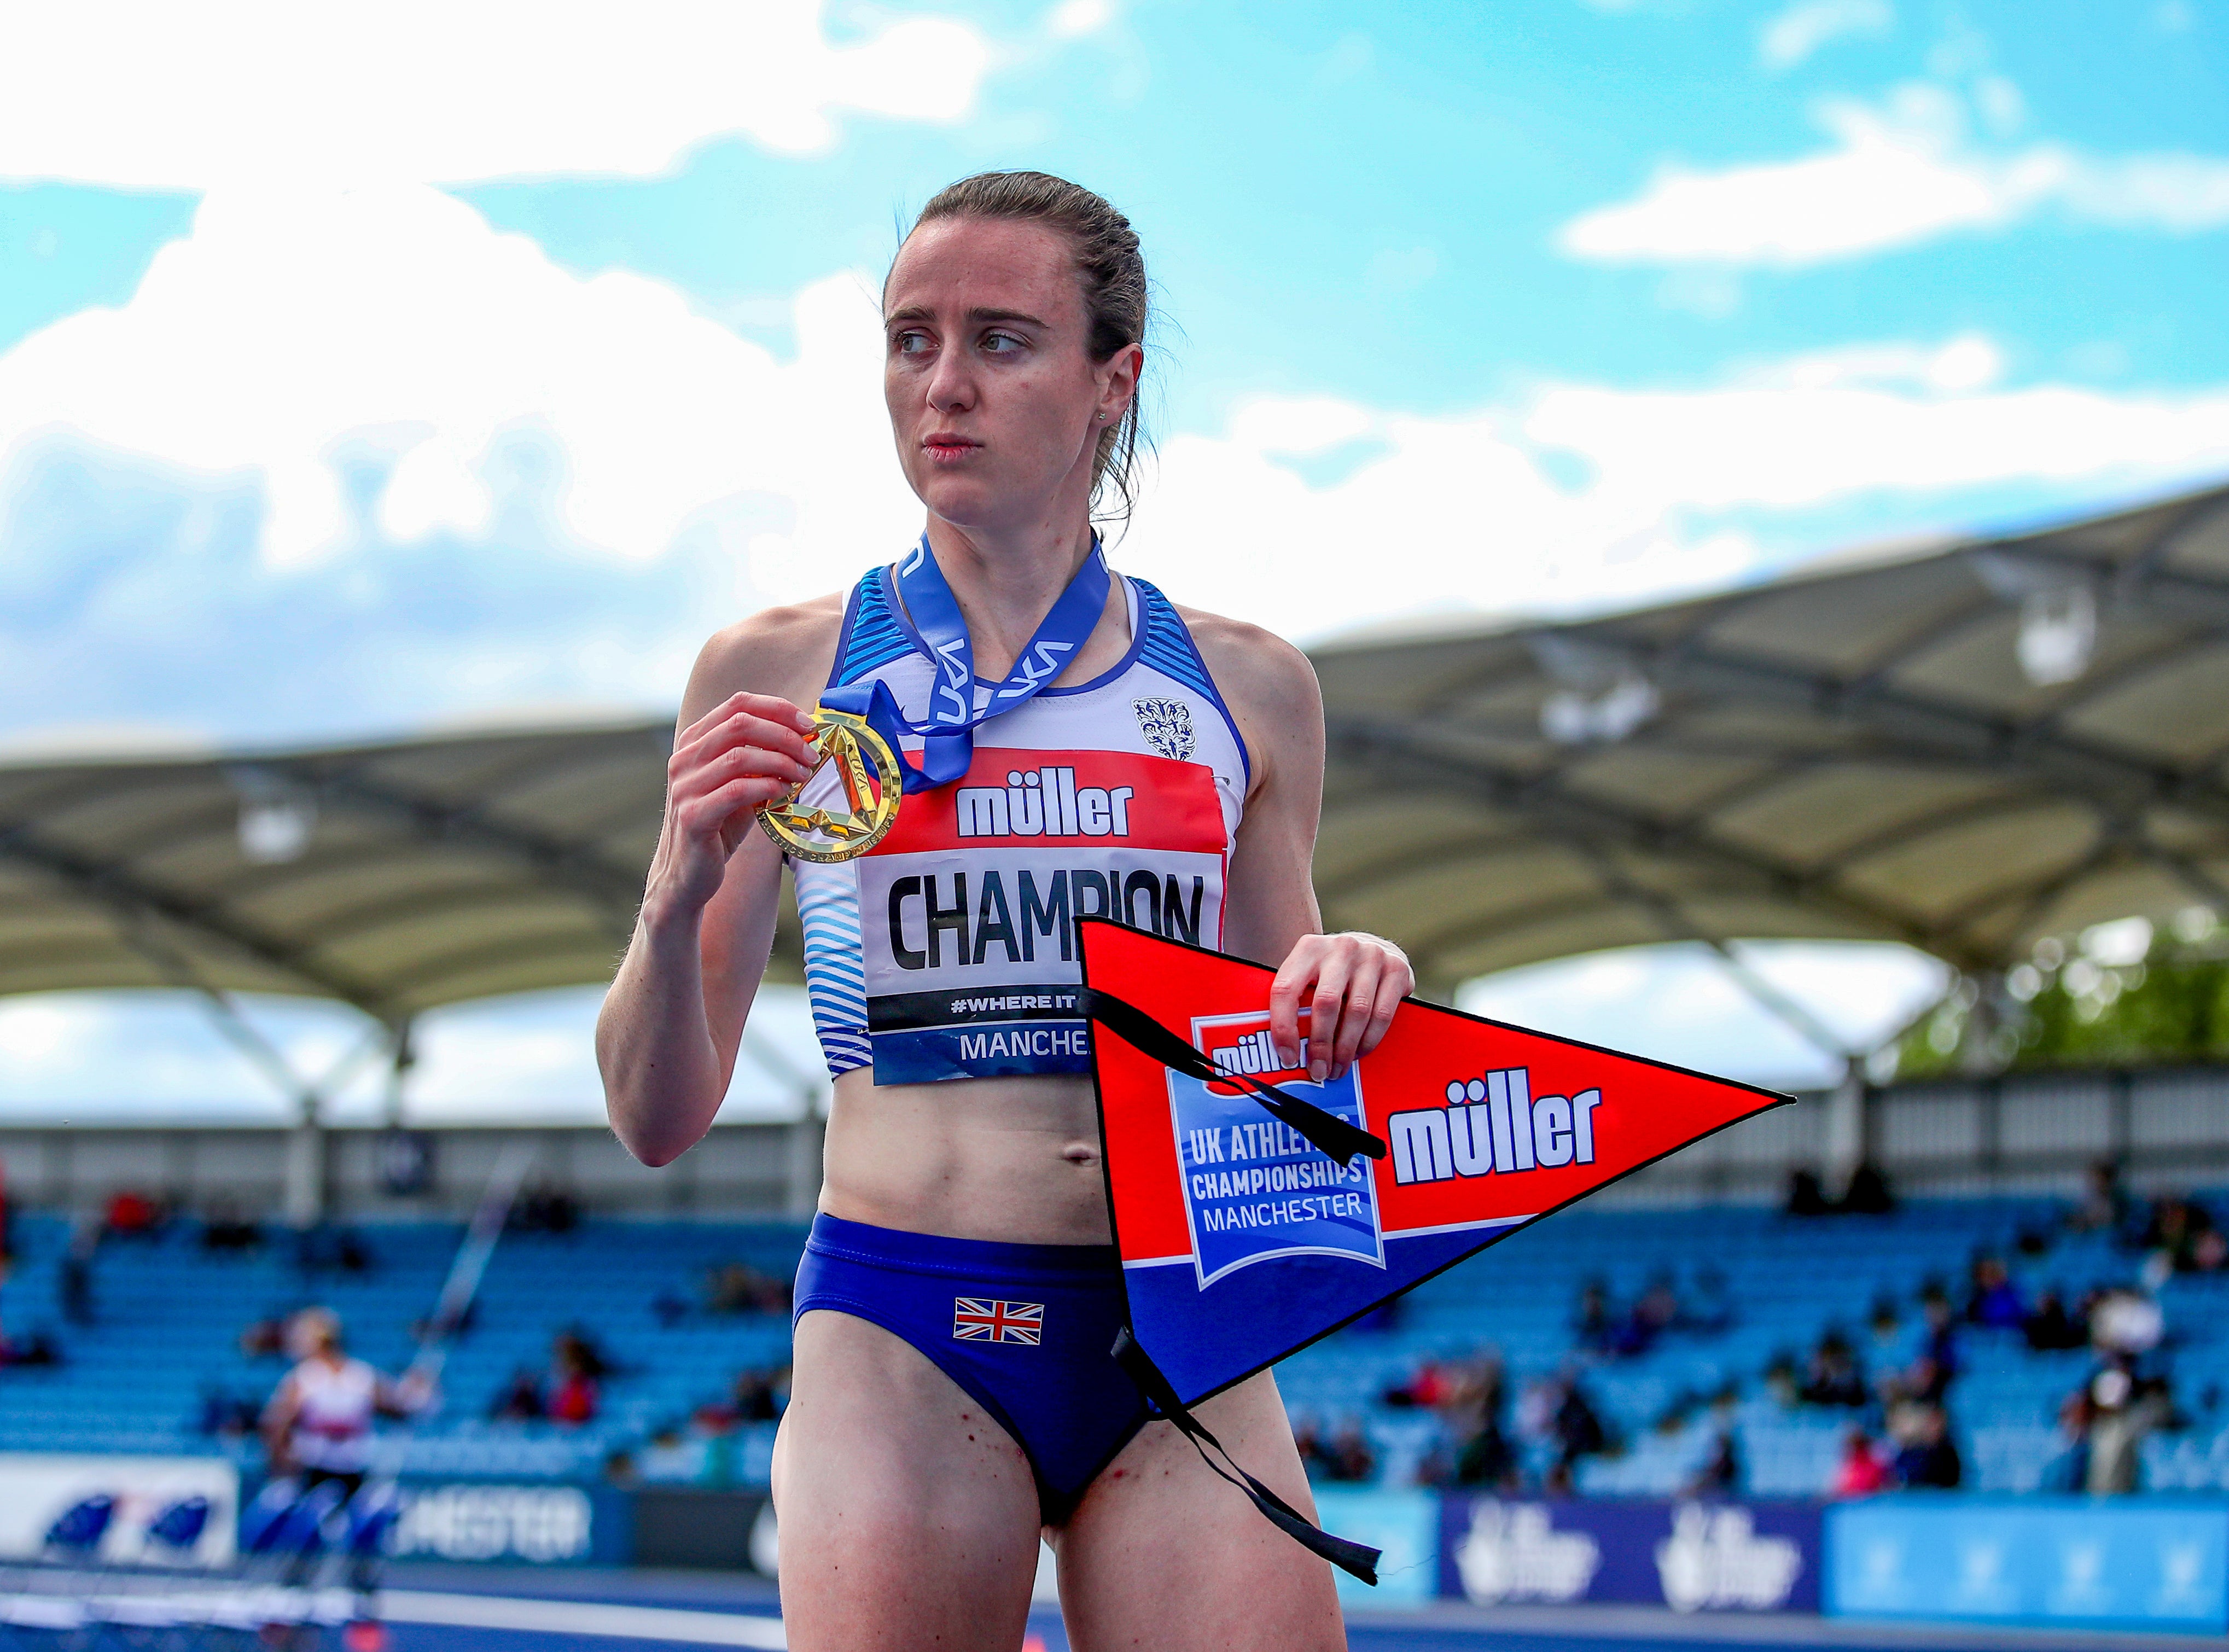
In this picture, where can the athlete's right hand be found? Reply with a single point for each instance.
(739, 756)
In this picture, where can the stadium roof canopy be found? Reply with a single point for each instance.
(396, 876)
(1963, 749)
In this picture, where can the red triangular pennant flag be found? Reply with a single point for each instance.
(1242, 1240)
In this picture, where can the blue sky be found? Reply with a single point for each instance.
(493, 369)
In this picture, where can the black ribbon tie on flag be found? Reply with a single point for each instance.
(1356, 1559)
(1328, 1134)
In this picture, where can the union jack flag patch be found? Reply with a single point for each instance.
(981, 1319)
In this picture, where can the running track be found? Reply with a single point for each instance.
(445, 1609)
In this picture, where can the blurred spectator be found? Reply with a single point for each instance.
(263, 1339)
(738, 1288)
(1349, 1459)
(1487, 1458)
(2125, 1321)
(2181, 1231)
(1834, 1377)
(1579, 1426)
(2124, 1407)
(1861, 1472)
(573, 1398)
(325, 1246)
(757, 1397)
(1926, 1458)
(40, 1348)
(1885, 1326)
(2070, 1470)
(2104, 1206)
(1805, 1196)
(760, 1395)
(576, 1346)
(1930, 1373)
(520, 1400)
(1709, 1310)
(1462, 1389)
(226, 1230)
(226, 1416)
(134, 1215)
(1993, 1300)
(73, 1274)
(1720, 1475)
(1651, 1316)
(545, 1208)
(1868, 1193)
(2049, 1328)
(1780, 1380)
(1593, 1323)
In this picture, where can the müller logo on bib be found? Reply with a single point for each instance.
(1079, 798)
(1041, 801)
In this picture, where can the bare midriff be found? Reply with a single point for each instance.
(1014, 1160)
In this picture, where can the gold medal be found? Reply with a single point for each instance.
(826, 834)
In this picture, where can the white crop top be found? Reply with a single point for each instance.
(949, 950)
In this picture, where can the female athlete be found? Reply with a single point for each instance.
(1090, 748)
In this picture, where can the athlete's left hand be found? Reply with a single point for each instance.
(1351, 984)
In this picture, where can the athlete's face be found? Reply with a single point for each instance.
(994, 399)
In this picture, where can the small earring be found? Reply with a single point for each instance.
(1102, 418)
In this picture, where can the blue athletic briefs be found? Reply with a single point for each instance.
(1024, 1329)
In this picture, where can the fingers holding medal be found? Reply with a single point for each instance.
(828, 817)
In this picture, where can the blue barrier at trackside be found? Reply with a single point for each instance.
(2127, 1563)
(2062, 1561)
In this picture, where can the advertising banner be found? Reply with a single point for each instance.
(1689, 1556)
(2065, 1561)
(540, 1525)
(121, 1497)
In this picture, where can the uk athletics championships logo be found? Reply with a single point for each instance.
(1255, 1188)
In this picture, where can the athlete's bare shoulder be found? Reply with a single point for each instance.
(1254, 666)
(785, 650)
(1271, 690)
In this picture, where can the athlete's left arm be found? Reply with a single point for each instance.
(1350, 983)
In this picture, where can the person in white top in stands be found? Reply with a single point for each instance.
(318, 1425)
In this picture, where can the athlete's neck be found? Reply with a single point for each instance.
(1004, 586)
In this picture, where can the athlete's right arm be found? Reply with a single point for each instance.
(667, 1036)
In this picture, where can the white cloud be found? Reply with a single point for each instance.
(1467, 513)
(294, 333)
(1790, 36)
(146, 95)
(1072, 19)
(1679, 1004)
(1897, 176)
(593, 477)
(297, 343)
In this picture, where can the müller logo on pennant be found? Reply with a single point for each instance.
(1255, 1188)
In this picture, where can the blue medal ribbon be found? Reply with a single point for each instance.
(958, 705)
